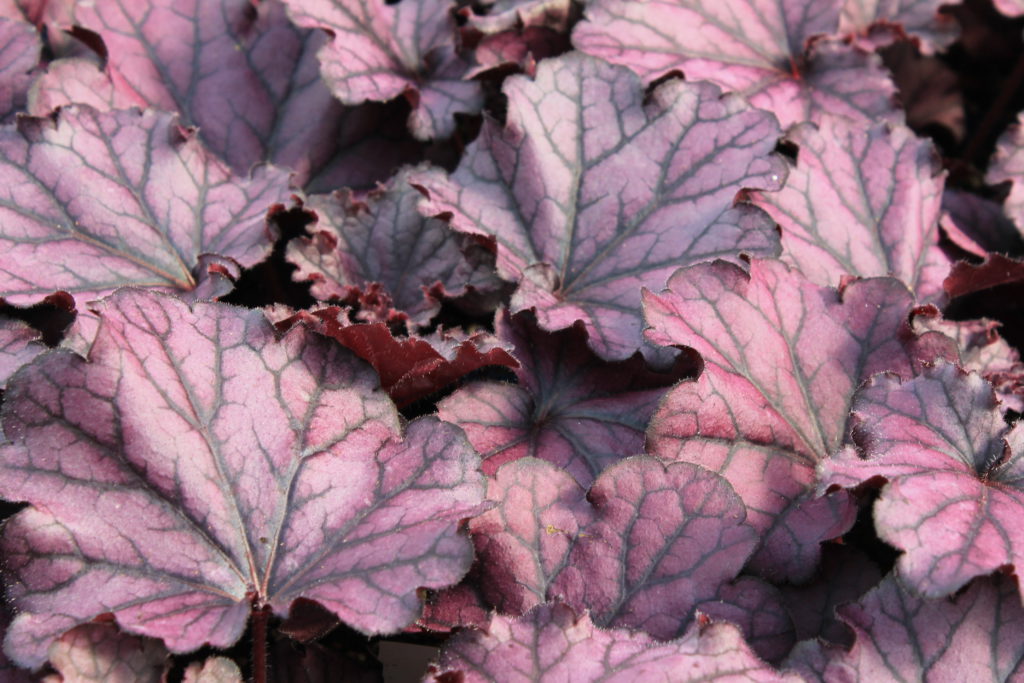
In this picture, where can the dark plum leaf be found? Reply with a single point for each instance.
(766, 51)
(649, 543)
(783, 358)
(1008, 165)
(19, 56)
(918, 18)
(974, 636)
(222, 470)
(978, 225)
(413, 367)
(593, 190)
(381, 237)
(93, 201)
(996, 270)
(569, 407)
(99, 653)
(954, 494)
(758, 609)
(861, 201)
(19, 344)
(929, 91)
(379, 51)
(551, 643)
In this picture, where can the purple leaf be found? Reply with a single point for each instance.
(569, 407)
(861, 201)
(974, 636)
(99, 653)
(918, 18)
(978, 225)
(92, 201)
(1008, 165)
(261, 471)
(757, 608)
(783, 358)
(380, 51)
(996, 270)
(929, 91)
(772, 53)
(550, 643)
(19, 57)
(649, 543)
(381, 238)
(19, 344)
(953, 468)
(593, 190)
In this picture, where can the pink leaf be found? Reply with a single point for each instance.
(1008, 165)
(221, 470)
(783, 358)
(918, 18)
(19, 344)
(772, 53)
(19, 56)
(380, 51)
(95, 201)
(861, 201)
(593, 190)
(99, 653)
(953, 469)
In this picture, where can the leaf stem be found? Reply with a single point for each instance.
(260, 617)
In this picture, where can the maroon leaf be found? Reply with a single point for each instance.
(19, 57)
(766, 51)
(551, 643)
(222, 470)
(1008, 165)
(92, 201)
(919, 18)
(972, 637)
(593, 191)
(954, 473)
(19, 344)
(997, 270)
(99, 653)
(783, 358)
(453, 608)
(861, 201)
(412, 367)
(569, 407)
(649, 543)
(382, 238)
(380, 51)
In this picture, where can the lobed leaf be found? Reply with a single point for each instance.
(1008, 165)
(19, 344)
(20, 49)
(99, 653)
(593, 190)
(195, 468)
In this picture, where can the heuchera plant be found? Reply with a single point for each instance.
(605, 340)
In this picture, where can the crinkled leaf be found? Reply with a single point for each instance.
(569, 407)
(19, 344)
(593, 190)
(213, 670)
(19, 56)
(1008, 165)
(757, 608)
(552, 643)
(99, 653)
(649, 543)
(996, 270)
(379, 51)
(457, 607)
(93, 201)
(954, 493)
(861, 201)
(381, 238)
(918, 18)
(783, 358)
(516, 32)
(220, 468)
(411, 367)
(974, 636)
(764, 50)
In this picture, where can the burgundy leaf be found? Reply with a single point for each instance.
(919, 18)
(649, 543)
(1008, 165)
(550, 643)
(19, 57)
(99, 653)
(93, 201)
(213, 670)
(569, 407)
(593, 190)
(783, 358)
(769, 52)
(381, 238)
(222, 470)
(974, 636)
(953, 470)
(996, 270)
(19, 344)
(861, 201)
(380, 51)
(412, 367)
(758, 609)
(453, 608)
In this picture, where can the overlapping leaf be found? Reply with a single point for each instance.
(94, 201)
(783, 358)
(196, 467)
(19, 57)
(552, 643)
(382, 238)
(593, 191)
(19, 344)
(974, 636)
(758, 609)
(1008, 165)
(379, 51)
(978, 225)
(954, 470)
(98, 653)
(648, 544)
(861, 201)
(918, 18)
(768, 51)
(569, 407)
